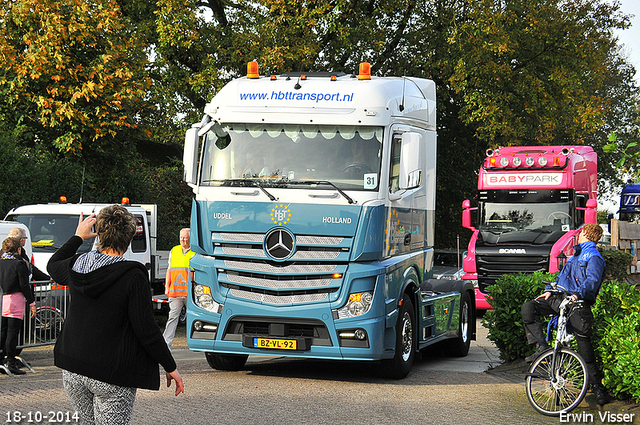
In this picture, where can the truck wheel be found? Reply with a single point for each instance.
(459, 346)
(183, 315)
(226, 361)
(399, 366)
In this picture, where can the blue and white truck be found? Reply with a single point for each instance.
(630, 202)
(313, 223)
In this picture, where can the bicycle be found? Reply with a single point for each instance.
(557, 381)
(47, 324)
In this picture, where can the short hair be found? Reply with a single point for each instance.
(17, 232)
(115, 227)
(592, 231)
(11, 245)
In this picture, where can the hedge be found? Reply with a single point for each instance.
(616, 338)
(505, 320)
(617, 264)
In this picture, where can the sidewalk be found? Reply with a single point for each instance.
(482, 358)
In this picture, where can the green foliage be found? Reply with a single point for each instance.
(617, 263)
(617, 338)
(514, 71)
(42, 178)
(629, 156)
(29, 178)
(603, 216)
(505, 321)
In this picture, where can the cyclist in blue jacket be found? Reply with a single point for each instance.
(581, 278)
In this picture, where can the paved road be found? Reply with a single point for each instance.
(275, 390)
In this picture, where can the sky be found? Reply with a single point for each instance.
(630, 38)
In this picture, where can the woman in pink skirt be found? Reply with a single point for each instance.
(14, 280)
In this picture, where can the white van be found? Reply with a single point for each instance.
(5, 228)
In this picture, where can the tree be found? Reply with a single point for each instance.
(535, 72)
(71, 76)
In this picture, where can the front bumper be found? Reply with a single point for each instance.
(316, 333)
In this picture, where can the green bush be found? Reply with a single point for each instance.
(617, 264)
(505, 321)
(617, 338)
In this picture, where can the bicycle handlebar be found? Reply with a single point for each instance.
(554, 285)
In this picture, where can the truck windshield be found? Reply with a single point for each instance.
(276, 155)
(508, 217)
(49, 232)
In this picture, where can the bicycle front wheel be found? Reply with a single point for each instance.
(560, 388)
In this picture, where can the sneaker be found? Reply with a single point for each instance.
(602, 397)
(541, 349)
(12, 365)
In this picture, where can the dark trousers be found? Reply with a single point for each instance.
(580, 318)
(9, 334)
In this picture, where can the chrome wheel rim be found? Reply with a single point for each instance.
(464, 322)
(407, 336)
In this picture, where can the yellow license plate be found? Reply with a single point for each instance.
(278, 344)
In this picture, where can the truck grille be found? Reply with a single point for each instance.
(313, 274)
(278, 284)
(276, 298)
(493, 267)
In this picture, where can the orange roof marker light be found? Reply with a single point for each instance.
(125, 201)
(62, 200)
(364, 72)
(252, 70)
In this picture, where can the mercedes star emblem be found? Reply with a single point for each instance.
(279, 244)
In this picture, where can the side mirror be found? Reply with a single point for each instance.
(190, 156)
(410, 154)
(466, 214)
(591, 214)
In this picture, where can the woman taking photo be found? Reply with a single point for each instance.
(110, 344)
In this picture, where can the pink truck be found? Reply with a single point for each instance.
(532, 202)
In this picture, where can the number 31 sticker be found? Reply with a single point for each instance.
(370, 181)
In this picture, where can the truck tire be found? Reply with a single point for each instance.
(226, 361)
(399, 366)
(459, 346)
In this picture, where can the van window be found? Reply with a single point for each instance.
(139, 242)
(49, 232)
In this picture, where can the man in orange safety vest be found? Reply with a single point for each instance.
(176, 283)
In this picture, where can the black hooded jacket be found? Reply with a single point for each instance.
(110, 332)
(14, 277)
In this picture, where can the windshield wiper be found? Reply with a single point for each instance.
(259, 185)
(46, 247)
(496, 231)
(327, 182)
(541, 230)
(284, 181)
(251, 182)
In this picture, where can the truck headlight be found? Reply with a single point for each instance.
(359, 303)
(202, 298)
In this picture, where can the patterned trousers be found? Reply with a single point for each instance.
(98, 402)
